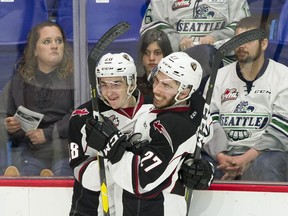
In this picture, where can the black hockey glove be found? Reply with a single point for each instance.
(196, 174)
(106, 138)
(136, 144)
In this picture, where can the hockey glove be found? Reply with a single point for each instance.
(196, 174)
(106, 138)
(136, 144)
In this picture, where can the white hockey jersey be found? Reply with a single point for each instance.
(255, 116)
(150, 178)
(196, 18)
(83, 159)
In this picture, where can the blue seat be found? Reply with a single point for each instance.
(265, 7)
(52, 8)
(269, 10)
(278, 50)
(278, 46)
(16, 20)
(282, 34)
(102, 16)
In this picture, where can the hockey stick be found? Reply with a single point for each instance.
(93, 58)
(96, 53)
(233, 43)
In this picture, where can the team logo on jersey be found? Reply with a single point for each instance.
(240, 124)
(148, 16)
(201, 21)
(161, 129)
(229, 94)
(80, 112)
(204, 12)
(180, 4)
(244, 107)
(115, 120)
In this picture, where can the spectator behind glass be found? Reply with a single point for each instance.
(202, 21)
(43, 83)
(157, 41)
(250, 110)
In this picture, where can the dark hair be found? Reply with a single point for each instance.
(253, 22)
(27, 65)
(158, 36)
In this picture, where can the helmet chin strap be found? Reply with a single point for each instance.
(121, 105)
(129, 93)
(127, 98)
(177, 101)
(105, 101)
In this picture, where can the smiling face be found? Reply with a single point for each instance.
(164, 90)
(151, 57)
(49, 48)
(114, 91)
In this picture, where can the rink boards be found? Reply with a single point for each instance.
(46, 197)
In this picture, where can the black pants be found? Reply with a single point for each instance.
(84, 202)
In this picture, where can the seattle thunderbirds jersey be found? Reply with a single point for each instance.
(195, 19)
(252, 114)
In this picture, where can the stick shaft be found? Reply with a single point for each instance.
(93, 58)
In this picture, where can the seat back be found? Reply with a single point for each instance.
(265, 7)
(18, 17)
(278, 47)
(282, 34)
(102, 16)
(16, 20)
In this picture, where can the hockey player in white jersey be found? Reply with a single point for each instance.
(203, 21)
(149, 173)
(250, 112)
(122, 103)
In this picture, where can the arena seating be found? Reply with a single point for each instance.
(16, 19)
(282, 33)
(98, 20)
(102, 16)
(266, 7)
(276, 14)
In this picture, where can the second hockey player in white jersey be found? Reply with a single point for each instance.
(123, 104)
(149, 172)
